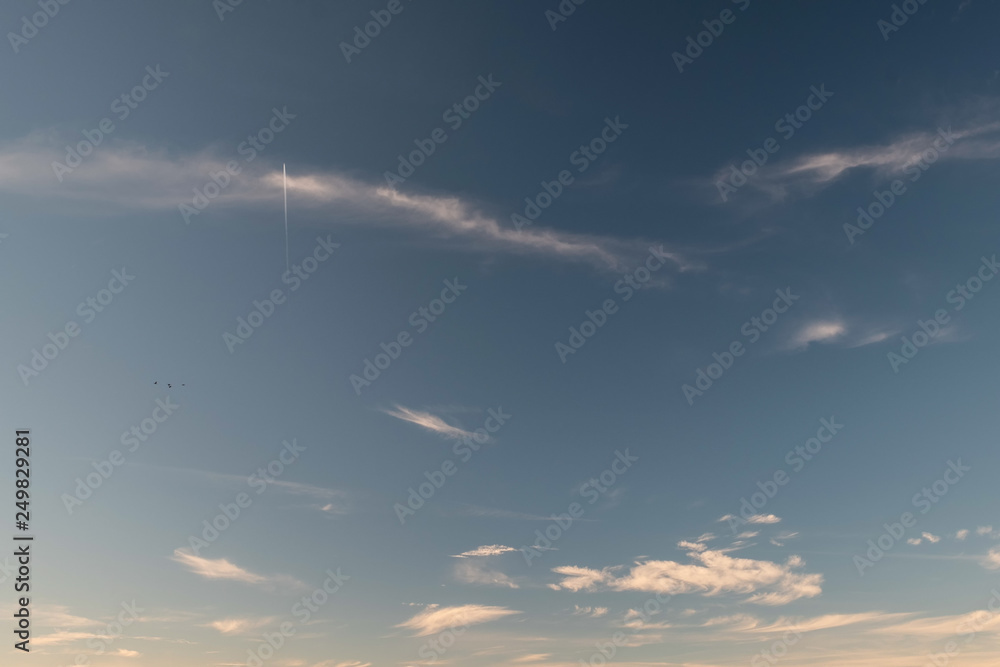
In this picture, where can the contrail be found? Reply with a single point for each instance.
(284, 178)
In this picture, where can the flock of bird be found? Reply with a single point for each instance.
(169, 386)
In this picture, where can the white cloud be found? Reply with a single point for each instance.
(756, 518)
(435, 619)
(818, 332)
(490, 550)
(476, 572)
(712, 573)
(123, 177)
(592, 612)
(810, 173)
(780, 539)
(992, 559)
(428, 421)
(220, 568)
(962, 534)
(240, 626)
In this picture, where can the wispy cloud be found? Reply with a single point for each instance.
(976, 140)
(220, 568)
(591, 612)
(435, 619)
(818, 332)
(477, 572)
(240, 626)
(428, 421)
(125, 176)
(756, 518)
(490, 550)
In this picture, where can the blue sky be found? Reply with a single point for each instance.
(595, 342)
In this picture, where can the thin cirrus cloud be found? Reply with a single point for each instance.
(220, 568)
(976, 140)
(756, 518)
(240, 626)
(486, 550)
(131, 176)
(710, 573)
(436, 619)
(478, 573)
(428, 421)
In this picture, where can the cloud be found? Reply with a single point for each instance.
(125, 653)
(491, 550)
(429, 421)
(962, 534)
(125, 177)
(220, 568)
(810, 173)
(711, 573)
(591, 612)
(476, 572)
(435, 619)
(239, 626)
(984, 530)
(581, 578)
(992, 559)
(780, 539)
(944, 626)
(756, 518)
(746, 624)
(818, 332)
(334, 501)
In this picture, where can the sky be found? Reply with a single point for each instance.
(574, 334)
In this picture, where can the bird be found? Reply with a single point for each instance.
(154, 381)
(169, 386)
